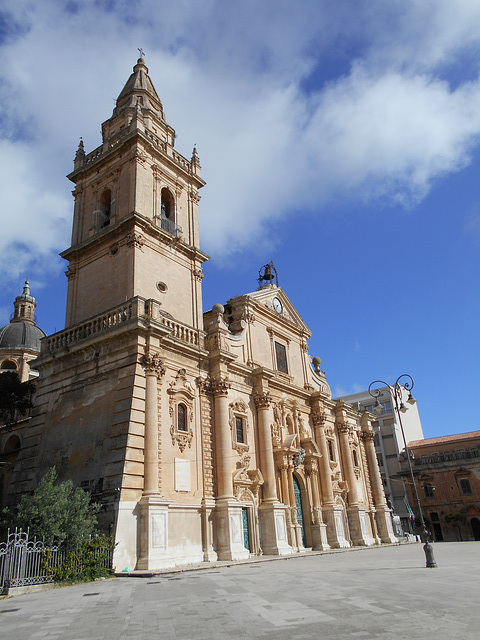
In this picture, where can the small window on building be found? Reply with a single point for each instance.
(380, 459)
(429, 490)
(330, 451)
(105, 208)
(181, 417)
(239, 429)
(281, 356)
(466, 487)
(355, 458)
(434, 516)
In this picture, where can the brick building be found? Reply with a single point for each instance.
(447, 474)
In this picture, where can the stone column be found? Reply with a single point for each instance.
(228, 517)
(350, 477)
(318, 418)
(296, 529)
(223, 440)
(383, 516)
(318, 528)
(154, 370)
(267, 462)
(152, 508)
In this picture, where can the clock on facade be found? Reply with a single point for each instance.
(277, 305)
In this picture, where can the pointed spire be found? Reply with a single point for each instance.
(79, 156)
(139, 88)
(195, 161)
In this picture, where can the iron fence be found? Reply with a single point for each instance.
(25, 562)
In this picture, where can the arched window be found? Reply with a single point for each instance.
(181, 417)
(167, 205)
(8, 365)
(12, 444)
(105, 208)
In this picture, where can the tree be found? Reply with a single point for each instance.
(457, 519)
(15, 397)
(58, 514)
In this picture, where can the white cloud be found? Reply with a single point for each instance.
(235, 85)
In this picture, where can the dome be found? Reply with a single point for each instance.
(21, 335)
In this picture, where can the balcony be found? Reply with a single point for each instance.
(170, 227)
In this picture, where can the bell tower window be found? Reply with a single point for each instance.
(167, 213)
(105, 208)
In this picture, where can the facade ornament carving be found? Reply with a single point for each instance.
(195, 196)
(317, 516)
(204, 384)
(318, 417)
(299, 458)
(220, 386)
(71, 273)
(249, 317)
(153, 364)
(343, 427)
(181, 392)
(198, 274)
(135, 240)
(262, 400)
(181, 438)
(304, 346)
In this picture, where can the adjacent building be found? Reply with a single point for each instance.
(20, 339)
(447, 476)
(203, 435)
(390, 445)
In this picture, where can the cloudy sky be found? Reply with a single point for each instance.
(338, 139)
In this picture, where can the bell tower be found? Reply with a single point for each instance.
(135, 227)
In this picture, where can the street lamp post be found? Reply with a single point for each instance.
(405, 383)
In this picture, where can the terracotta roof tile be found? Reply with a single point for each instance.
(458, 437)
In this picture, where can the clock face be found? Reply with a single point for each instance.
(277, 305)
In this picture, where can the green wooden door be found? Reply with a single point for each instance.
(298, 504)
(246, 533)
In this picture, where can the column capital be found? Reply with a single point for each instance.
(220, 386)
(343, 427)
(318, 417)
(262, 400)
(368, 436)
(153, 364)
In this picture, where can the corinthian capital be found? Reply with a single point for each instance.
(153, 364)
(220, 386)
(262, 400)
(318, 417)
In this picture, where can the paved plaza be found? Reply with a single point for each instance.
(381, 592)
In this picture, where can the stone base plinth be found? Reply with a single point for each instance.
(359, 530)
(319, 537)
(229, 531)
(383, 518)
(273, 530)
(336, 534)
(152, 542)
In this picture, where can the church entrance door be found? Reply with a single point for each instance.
(246, 531)
(475, 524)
(298, 504)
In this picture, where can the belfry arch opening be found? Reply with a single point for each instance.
(105, 208)
(167, 205)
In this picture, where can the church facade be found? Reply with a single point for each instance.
(203, 435)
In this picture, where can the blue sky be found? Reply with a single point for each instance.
(340, 140)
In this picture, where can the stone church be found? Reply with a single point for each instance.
(204, 436)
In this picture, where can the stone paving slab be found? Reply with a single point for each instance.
(381, 592)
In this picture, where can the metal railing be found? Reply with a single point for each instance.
(25, 562)
(170, 227)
